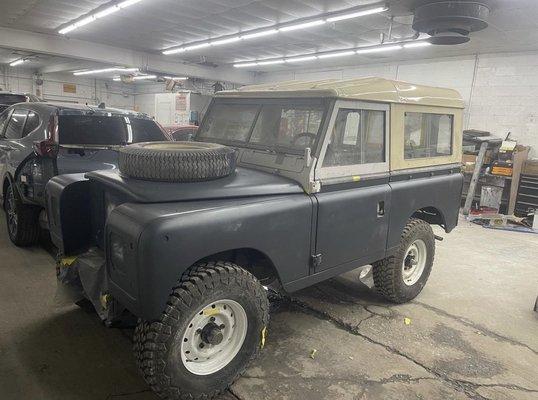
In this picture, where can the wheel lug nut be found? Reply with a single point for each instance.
(198, 331)
(222, 326)
(202, 345)
(212, 319)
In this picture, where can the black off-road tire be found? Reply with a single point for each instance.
(177, 161)
(27, 230)
(387, 273)
(156, 343)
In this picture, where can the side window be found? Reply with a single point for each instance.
(32, 122)
(4, 118)
(428, 135)
(16, 124)
(358, 137)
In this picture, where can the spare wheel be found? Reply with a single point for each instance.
(177, 161)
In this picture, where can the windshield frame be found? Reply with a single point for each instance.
(323, 103)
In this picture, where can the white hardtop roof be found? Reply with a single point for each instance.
(367, 89)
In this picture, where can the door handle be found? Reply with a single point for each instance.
(381, 208)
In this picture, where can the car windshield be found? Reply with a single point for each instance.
(100, 130)
(9, 99)
(290, 125)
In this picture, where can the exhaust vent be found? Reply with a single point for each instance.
(450, 22)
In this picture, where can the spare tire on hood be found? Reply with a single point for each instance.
(177, 161)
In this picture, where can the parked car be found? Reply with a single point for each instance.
(41, 140)
(285, 186)
(8, 98)
(181, 133)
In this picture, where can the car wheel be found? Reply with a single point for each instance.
(22, 220)
(401, 277)
(213, 326)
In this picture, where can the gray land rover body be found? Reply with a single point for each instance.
(330, 176)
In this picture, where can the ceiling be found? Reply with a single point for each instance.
(153, 25)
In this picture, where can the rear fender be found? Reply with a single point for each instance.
(442, 193)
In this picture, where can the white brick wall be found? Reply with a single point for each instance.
(500, 90)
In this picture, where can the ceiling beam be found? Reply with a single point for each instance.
(110, 55)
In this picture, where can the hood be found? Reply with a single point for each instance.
(245, 182)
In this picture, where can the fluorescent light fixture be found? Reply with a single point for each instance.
(135, 78)
(302, 26)
(104, 70)
(97, 15)
(245, 65)
(142, 77)
(197, 46)
(301, 59)
(287, 27)
(378, 49)
(259, 34)
(271, 62)
(225, 41)
(338, 54)
(342, 53)
(17, 62)
(107, 11)
(176, 78)
(357, 14)
(173, 51)
(417, 44)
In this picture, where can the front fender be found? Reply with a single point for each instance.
(163, 240)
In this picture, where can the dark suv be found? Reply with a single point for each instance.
(41, 140)
(330, 176)
(8, 98)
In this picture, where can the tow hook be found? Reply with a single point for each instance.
(438, 238)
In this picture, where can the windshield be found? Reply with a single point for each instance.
(291, 124)
(100, 130)
(10, 99)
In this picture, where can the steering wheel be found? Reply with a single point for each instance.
(311, 136)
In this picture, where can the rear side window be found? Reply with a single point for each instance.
(428, 135)
(15, 125)
(144, 130)
(32, 122)
(358, 137)
(92, 130)
(10, 99)
(4, 119)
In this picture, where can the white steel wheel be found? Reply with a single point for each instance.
(214, 337)
(414, 262)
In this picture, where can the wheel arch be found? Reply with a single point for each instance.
(253, 260)
(431, 215)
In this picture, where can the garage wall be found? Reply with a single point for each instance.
(87, 90)
(500, 90)
(145, 92)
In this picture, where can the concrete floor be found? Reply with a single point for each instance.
(472, 334)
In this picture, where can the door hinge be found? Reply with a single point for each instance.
(316, 260)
